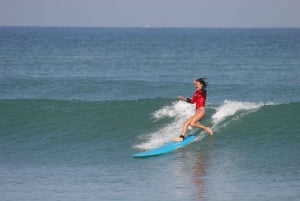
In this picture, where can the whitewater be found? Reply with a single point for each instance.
(180, 111)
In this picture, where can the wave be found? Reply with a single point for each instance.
(180, 111)
(233, 109)
(141, 124)
(83, 119)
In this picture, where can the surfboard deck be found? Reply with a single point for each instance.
(166, 148)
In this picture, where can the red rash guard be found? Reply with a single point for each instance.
(199, 98)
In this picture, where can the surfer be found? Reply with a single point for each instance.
(199, 98)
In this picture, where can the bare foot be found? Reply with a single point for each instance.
(209, 131)
(177, 139)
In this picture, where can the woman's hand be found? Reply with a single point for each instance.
(181, 98)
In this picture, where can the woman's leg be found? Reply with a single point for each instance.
(186, 125)
(195, 122)
(184, 129)
(198, 125)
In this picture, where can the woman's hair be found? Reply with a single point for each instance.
(203, 82)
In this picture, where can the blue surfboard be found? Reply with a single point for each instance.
(167, 147)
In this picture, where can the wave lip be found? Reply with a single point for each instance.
(230, 108)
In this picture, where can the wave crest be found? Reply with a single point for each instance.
(181, 111)
(230, 108)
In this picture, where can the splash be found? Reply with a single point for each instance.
(178, 110)
(181, 111)
(230, 108)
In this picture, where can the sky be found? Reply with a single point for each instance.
(151, 13)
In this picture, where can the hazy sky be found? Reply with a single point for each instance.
(154, 13)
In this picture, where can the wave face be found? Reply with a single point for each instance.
(53, 125)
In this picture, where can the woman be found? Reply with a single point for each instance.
(199, 98)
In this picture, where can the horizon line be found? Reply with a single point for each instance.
(153, 27)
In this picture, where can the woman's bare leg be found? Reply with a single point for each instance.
(194, 122)
(184, 129)
(198, 125)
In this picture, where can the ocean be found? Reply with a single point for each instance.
(77, 103)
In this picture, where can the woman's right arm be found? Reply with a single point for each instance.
(185, 99)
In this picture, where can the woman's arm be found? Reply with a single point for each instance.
(185, 99)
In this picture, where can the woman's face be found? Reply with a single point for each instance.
(198, 85)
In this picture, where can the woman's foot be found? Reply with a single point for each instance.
(209, 131)
(179, 139)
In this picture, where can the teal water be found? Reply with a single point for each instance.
(76, 103)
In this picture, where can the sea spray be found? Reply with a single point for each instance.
(231, 108)
(181, 111)
(178, 110)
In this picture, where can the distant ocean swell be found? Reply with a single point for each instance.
(147, 122)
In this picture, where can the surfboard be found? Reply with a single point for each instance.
(166, 148)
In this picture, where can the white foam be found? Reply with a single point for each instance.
(230, 108)
(181, 111)
(178, 110)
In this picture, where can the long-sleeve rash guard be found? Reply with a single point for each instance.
(199, 98)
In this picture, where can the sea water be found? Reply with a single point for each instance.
(77, 103)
